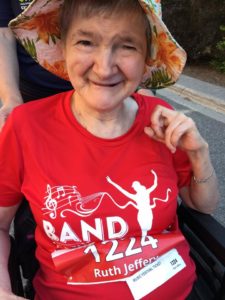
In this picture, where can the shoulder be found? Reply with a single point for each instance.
(146, 106)
(150, 102)
(35, 107)
(39, 111)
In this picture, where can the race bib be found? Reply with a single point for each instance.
(112, 260)
(155, 274)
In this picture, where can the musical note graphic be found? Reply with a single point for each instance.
(57, 197)
(51, 203)
(60, 191)
(68, 199)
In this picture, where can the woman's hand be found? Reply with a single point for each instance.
(5, 110)
(175, 130)
(5, 295)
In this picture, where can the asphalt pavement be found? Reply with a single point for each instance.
(204, 93)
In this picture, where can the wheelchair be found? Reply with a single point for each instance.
(207, 242)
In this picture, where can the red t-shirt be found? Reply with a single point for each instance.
(105, 208)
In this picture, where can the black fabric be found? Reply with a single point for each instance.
(193, 294)
(24, 227)
(25, 245)
(31, 92)
(6, 13)
(18, 6)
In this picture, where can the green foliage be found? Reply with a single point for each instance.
(29, 45)
(159, 79)
(219, 61)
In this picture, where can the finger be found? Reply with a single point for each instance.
(178, 134)
(172, 129)
(10, 296)
(3, 116)
(4, 113)
(158, 122)
(150, 132)
(175, 120)
(2, 121)
(160, 119)
(184, 130)
(167, 114)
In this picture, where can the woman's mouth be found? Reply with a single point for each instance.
(105, 84)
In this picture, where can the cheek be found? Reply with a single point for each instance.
(78, 65)
(134, 68)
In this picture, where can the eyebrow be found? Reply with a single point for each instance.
(127, 38)
(81, 32)
(124, 36)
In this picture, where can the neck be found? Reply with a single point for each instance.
(106, 124)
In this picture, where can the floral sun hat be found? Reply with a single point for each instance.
(37, 29)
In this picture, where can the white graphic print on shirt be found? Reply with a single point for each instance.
(104, 260)
(141, 202)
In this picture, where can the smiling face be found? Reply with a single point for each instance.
(105, 58)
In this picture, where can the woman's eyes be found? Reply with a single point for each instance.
(128, 47)
(85, 43)
(89, 43)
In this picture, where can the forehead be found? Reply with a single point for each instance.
(109, 24)
(88, 8)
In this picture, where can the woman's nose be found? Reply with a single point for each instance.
(105, 64)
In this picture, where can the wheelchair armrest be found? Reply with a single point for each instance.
(210, 232)
(14, 270)
(206, 237)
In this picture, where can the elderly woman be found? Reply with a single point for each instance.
(101, 176)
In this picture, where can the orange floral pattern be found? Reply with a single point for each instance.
(47, 25)
(166, 53)
(57, 67)
(37, 29)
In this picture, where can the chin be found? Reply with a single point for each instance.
(105, 106)
(107, 99)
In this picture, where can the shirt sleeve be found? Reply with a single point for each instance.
(11, 166)
(6, 13)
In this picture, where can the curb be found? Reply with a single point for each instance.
(189, 94)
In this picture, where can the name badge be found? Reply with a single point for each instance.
(155, 274)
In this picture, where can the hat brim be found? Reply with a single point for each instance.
(37, 29)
